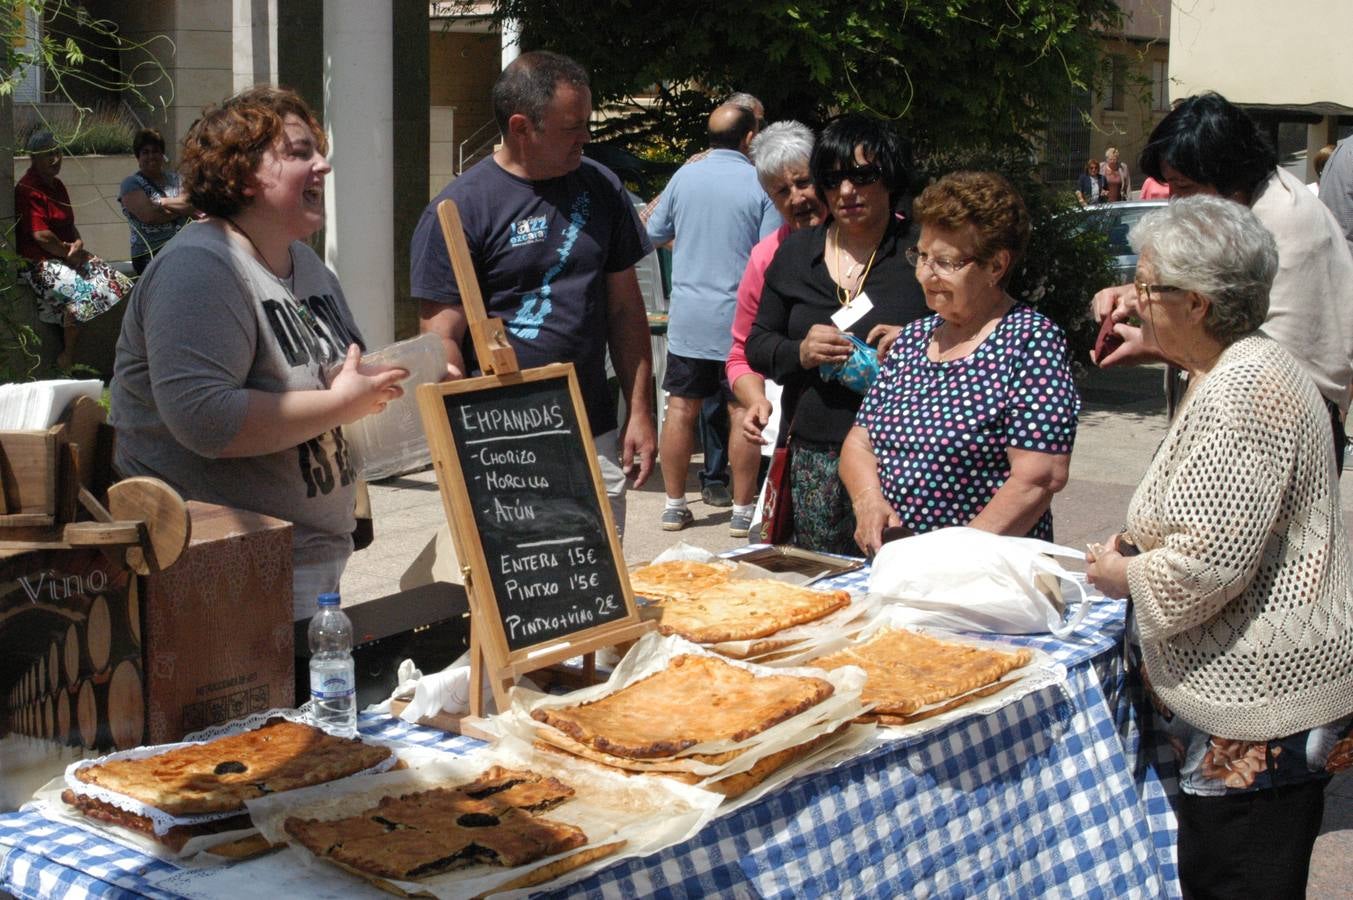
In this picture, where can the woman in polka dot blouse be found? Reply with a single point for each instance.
(972, 418)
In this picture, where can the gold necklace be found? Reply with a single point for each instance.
(843, 296)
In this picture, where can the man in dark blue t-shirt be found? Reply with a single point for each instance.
(554, 240)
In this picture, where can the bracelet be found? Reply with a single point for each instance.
(856, 498)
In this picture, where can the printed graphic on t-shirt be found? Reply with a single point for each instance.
(529, 230)
(309, 330)
(536, 306)
(326, 463)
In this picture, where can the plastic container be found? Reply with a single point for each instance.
(333, 678)
(392, 442)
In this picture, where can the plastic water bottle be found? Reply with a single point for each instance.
(333, 680)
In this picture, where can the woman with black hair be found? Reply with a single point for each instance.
(1208, 145)
(845, 276)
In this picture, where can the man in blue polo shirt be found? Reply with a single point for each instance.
(715, 211)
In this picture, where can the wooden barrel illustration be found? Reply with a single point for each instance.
(40, 668)
(99, 634)
(70, 655)
(126, 708)
(110, 708)
(87, 714)
(48, 715)
(63, 723)
(53, 667)
(134, 615)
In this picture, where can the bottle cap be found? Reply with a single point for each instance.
(329, 600)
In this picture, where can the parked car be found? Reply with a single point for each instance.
(1114, 221)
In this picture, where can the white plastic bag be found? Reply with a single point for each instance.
(971, 580)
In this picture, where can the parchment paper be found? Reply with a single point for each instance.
(836, 630)
(652, 654)
(647, 813)
(1041, 672)
(160, 820)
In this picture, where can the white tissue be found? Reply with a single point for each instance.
(447, 691)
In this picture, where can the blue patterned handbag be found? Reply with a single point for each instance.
(857, 372)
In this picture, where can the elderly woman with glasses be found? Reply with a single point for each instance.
(972, 419)
(844, 276)
(1208, 145)
(1236, 560)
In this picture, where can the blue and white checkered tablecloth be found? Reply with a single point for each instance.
(1037, 799)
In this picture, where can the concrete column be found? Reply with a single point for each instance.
(510, 41)
(412, 122)
(358, 113)
(253, 43)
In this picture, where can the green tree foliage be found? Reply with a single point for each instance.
(950, 72)
(970, 83)
(79, 53)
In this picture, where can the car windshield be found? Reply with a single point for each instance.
(1116, 222)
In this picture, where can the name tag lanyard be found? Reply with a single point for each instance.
(854, 304)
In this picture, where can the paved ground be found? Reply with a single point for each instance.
(1121, 424)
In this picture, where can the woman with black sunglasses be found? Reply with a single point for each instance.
(840, 278)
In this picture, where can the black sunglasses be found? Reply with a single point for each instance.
(858, 176)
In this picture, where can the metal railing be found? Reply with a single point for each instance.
(486, 135)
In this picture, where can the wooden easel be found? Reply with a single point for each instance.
(491, 658)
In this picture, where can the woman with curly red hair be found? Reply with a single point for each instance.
(239, 357)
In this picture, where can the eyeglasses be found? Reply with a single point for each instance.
(1144, 290)
(938, 264)
(858, 176)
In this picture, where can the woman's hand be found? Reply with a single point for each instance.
(1106, 568)
(1120, 304)
(824, 344)
(873, 513)
(886, 335)
(755, 419)
(76, 254)
(179, 207)
(365, 389)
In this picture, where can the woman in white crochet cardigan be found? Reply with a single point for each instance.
(1236, 561)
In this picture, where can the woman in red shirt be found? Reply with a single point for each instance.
(72, 285)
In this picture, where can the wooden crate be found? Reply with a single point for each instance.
(218, 624)
(31, 476)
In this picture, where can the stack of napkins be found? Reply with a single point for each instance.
(36, 405)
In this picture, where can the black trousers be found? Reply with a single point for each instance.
(1249, 845)
(1340, 437)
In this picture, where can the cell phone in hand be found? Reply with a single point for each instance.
(1108, 340)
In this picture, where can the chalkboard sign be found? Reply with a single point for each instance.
(528, 506)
